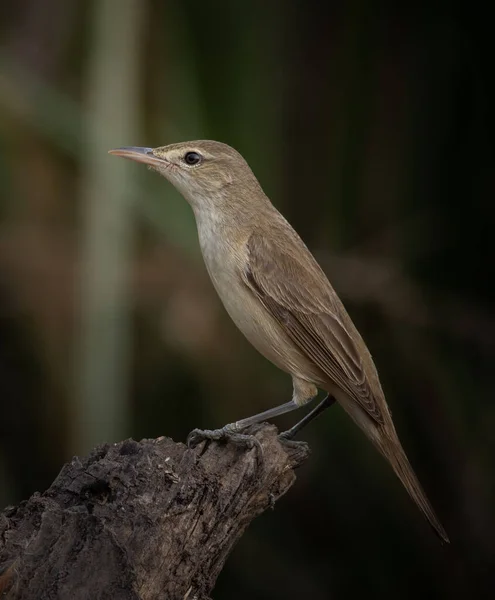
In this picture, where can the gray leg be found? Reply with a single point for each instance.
(231, 431)
(324, 404)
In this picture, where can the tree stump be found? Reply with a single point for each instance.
(142, 520)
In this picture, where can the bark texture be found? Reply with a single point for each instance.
(142, 520)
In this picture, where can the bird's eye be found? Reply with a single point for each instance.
(192, 158)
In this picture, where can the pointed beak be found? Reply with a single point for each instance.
(143, 155)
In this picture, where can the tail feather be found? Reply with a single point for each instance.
(385, 439)
(394, 453)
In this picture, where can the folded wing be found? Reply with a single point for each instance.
(310, 316)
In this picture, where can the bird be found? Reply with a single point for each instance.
(279, 297)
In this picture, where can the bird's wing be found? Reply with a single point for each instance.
(309, 315)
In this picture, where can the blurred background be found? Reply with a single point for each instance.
(368, 126)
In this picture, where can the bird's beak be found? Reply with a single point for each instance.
(143, 155)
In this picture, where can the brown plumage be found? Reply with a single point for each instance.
(278, 296)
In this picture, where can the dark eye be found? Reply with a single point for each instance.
(192, 158)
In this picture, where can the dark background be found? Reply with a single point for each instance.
(369, 126)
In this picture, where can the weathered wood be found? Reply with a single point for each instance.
(142, 520)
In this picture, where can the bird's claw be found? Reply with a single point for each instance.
(224, 433)
(286, 438)
(228, 433)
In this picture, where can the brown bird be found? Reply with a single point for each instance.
(279, 297)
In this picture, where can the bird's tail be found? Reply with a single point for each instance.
(394, 453)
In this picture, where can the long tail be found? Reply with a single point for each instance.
(394, 453)
(385, 439)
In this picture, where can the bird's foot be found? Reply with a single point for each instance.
(286, 440)
(229, 433)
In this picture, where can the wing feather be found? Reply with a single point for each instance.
(311, 315)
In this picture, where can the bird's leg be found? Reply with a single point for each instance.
(231, 432)
(295, 429)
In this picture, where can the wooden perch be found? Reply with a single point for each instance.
(142, 520)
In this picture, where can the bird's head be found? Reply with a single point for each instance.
(203, 171)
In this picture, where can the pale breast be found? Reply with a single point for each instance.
(225, 264)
